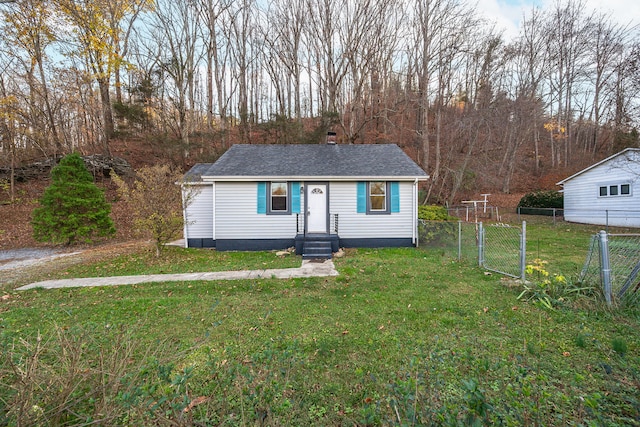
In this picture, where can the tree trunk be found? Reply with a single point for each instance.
(47, 103)
(107, 116)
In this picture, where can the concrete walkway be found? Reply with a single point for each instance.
(309, 268)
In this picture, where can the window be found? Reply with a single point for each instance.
(378, 196)
(279, 197)
(615, 190)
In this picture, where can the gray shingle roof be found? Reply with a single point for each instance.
(265, 161)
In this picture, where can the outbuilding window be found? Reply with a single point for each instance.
(614, 190)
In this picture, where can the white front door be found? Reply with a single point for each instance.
(316, 208)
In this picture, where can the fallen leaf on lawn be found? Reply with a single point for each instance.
(195, 402)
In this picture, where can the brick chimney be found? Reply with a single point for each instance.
(331, 138)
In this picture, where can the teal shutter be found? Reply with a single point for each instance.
(295, 197)
(395, 197)
(262, 197)
(362, 197)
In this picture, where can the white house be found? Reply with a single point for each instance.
(314, 197)
(606, 193)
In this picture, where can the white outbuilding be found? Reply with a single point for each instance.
(605, 193)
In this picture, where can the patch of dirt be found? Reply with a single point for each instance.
(505, 200)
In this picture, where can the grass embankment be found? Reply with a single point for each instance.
(402, 336)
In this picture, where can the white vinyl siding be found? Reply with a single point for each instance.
(584, 202)
(198, 213)
(351, 225)
(237, 217)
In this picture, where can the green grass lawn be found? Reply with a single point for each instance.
(401, 337)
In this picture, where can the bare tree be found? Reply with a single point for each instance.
(368, 37)
(443, 27)
(241, 31)
(215, 15)
(568, 41)
(283, 32)
(27, 28)
(121, 16)
(176, 26)
(331, 64)
(8, 115)
(531, 66)
(606, 51)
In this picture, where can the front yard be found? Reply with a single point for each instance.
(401, 337)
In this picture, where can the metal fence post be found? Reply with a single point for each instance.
(459, 240)
(605, 267)
(480, 244)
(523, 250)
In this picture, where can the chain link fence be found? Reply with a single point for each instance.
(614, 218)
(455, 239)
(495, 247)
(502, 249)
(613, 263)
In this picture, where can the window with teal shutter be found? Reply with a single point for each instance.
(362, 197)
(262, 197)
(378, 197)
(295, 197)
(395, 196)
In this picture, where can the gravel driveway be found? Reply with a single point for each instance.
(24, 257)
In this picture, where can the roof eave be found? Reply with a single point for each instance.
(596, 165)
(314, 178)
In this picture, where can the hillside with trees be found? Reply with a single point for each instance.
(158, 80)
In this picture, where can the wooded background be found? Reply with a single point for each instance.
(187, 78)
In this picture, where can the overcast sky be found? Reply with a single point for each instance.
(507, 14)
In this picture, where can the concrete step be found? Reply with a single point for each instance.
(316, 249)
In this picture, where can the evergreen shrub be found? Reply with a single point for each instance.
(72, 209)
(543, 199)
